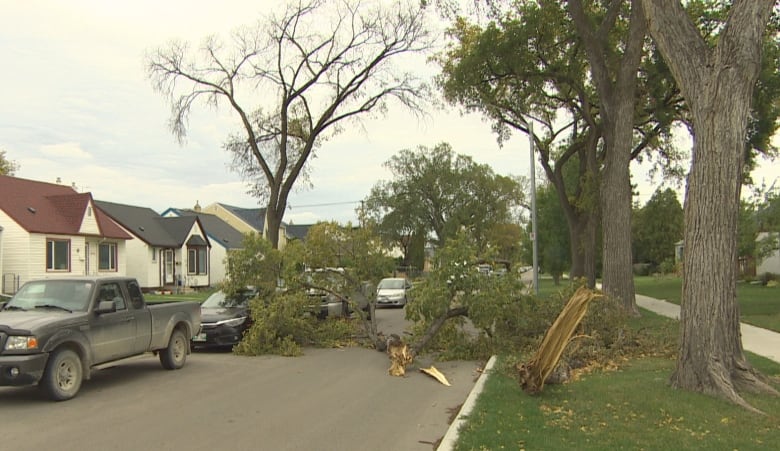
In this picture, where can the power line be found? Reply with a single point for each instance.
(330, 204)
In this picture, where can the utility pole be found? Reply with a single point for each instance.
(534, 238)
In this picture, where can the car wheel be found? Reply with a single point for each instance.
(63, 375)
(174, 356)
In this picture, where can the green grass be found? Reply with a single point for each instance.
(759, 305)
(630, 408)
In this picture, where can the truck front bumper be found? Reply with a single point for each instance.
(18, 370)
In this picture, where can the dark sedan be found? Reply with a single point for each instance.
(224, 319)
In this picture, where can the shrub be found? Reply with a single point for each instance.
(642, 269)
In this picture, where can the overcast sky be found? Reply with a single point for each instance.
(75, 105)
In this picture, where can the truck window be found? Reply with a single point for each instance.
(136, 297)
(113, 293)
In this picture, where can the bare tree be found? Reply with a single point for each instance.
(295, 80)
(717, 83)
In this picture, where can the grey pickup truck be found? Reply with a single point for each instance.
(54, 332)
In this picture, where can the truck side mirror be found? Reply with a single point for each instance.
(105, 307)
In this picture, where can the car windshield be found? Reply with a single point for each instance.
(72, 295)
(221, 300)
(391, 284)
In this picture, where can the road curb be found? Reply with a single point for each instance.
(451, 437)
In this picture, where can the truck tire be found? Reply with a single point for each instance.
(63, 375)
(174, 356)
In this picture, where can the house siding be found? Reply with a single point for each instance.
(89, 225)
(16, 254)
(233, 220)
(770, 264)
(194, 280)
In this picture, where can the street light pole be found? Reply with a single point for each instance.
(534, 232)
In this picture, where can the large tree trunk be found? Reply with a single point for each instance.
(617, 270)
(616, 86)
(717, 84)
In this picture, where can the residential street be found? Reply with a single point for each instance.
(328, 399)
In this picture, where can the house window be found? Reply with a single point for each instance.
(107, 257)
(57, 255)
(197, 260)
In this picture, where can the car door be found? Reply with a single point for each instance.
(143, 317)
(112, 334)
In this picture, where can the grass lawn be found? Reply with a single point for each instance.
(629, 408)
(759, 305)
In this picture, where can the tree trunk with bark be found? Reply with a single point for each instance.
(717, 83)
(615, 77)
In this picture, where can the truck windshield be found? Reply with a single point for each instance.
(72, 295)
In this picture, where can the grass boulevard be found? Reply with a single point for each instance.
(630, 405)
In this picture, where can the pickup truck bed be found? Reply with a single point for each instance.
(53, 332)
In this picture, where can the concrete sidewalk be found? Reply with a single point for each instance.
(754, 339)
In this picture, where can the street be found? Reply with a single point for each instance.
(339, 399)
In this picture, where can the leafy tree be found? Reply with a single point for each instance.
(437, 192)
(657, 227)
(7, 167)
(711, 359)
(553, 241)
(346, 263)
(506, 239)
(322, 63)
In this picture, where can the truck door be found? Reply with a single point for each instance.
(112, 334)
(143, 318)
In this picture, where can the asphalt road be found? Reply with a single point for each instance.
(329, 399)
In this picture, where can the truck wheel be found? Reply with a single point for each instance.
(174, 356)
(62, 377)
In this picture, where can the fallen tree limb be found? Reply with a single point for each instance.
(532, 375)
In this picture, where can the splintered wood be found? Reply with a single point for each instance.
(400, 355)
(533, 373)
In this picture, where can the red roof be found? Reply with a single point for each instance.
(40, 207)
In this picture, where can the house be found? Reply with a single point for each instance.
(297, 231)
(223, 238)
(171, 253)
(52, 230)
(245, 220)
(771, 263)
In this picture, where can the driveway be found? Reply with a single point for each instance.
(339, 399)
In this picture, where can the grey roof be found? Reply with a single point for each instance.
(149, 226)
(216, 229)
(298, 231)
(255, 217)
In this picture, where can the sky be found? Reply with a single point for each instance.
(75, 105)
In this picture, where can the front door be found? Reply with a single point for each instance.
(168, 267)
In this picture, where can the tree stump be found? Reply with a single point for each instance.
(533, 374)
(400, 355)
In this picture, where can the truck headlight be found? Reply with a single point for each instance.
(232, 322)
(21, 343)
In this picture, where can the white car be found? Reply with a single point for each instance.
(392, 291)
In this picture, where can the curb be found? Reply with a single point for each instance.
(451, 437)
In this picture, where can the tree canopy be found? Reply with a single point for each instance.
(7, 167)
(293, 81)
(435, 192)
(656, 227)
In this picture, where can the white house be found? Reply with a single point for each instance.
(223, 237)
(771, 263)
(166, 252)
(51, 230)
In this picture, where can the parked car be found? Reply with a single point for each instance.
(392, 291)
(224, 319)
(328, 305)
(54, 332)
